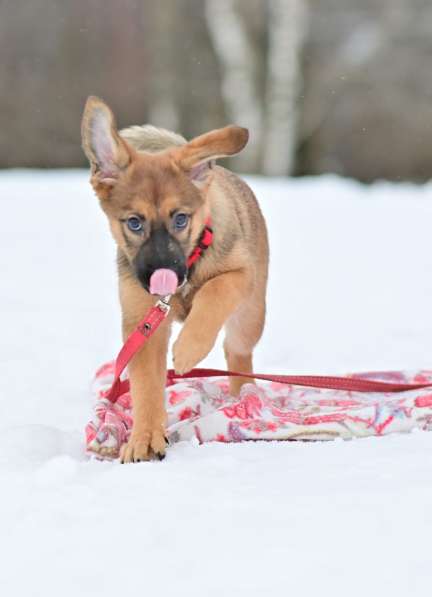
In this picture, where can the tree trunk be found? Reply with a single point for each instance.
(287, 30)
(238, 72)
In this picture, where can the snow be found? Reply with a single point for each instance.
(350, 289)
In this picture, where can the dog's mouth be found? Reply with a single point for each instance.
(163, 282)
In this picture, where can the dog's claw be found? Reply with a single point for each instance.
(144, 446)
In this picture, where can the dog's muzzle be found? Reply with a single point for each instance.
(160, 264)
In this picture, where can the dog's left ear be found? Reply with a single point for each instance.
(106, 151)
(196, 157)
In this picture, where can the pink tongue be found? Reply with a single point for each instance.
(163, 282)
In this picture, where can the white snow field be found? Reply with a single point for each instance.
(350, 290)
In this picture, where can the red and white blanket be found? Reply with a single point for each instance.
(203, 409)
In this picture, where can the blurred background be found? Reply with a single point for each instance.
(339, 86)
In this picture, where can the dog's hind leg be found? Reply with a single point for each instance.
(242, 332)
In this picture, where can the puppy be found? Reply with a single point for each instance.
(159, 192)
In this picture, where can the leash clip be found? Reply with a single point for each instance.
(163, 303)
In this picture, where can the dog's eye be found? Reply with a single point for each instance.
(134, 223)
(180, 221)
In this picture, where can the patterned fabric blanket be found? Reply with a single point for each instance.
(203, 409)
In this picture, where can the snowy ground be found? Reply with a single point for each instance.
(351, 289)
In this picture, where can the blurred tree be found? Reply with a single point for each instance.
(269, 113)
(238, 68)
(342, 87)
(287, 31)
(367, 109)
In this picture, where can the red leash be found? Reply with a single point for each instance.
(159, 312)
(139, 336)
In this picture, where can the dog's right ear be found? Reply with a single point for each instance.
(107, 152)
(197, 156)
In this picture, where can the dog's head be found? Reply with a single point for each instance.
(156, 203)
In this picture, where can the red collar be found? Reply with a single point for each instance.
(204, 241)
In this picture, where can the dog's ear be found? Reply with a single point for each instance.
(107, 152)
(197, 156)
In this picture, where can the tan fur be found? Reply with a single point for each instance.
(226, 287)
(151, 139)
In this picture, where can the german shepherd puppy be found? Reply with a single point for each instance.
(158, 191)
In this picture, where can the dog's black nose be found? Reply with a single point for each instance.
(160, 252)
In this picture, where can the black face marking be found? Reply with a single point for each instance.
(160, 250)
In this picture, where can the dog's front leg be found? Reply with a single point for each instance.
(215, 301)
(147, 373)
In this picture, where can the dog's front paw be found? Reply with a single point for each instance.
(144, 445)
(189, 349)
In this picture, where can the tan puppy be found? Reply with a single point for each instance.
(158, 192)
